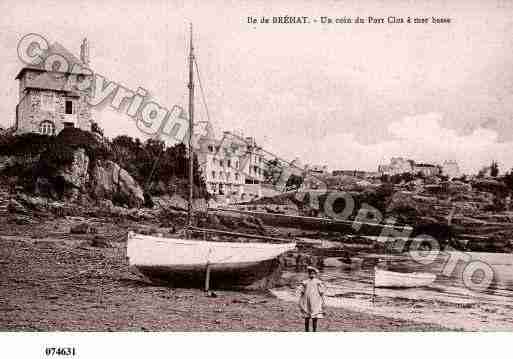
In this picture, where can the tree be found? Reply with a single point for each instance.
(385, 178)
(294, 182)
(494, 169)
(155, 166)
(96, 128)
(508, 180)
(272, 171)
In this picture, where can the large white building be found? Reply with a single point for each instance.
(233, 166)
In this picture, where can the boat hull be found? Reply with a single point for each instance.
(388, 279)
(182, 262)
(249, 275)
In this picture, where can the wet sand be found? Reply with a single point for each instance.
(53, 281)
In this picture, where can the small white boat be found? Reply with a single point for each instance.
(388, 279)
(185, 260)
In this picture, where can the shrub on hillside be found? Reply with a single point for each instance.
(24, 144)
(75, 138)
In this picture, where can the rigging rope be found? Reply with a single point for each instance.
(201, 89)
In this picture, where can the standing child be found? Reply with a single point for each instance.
(311, 301)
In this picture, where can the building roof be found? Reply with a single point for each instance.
(424, 165)
(50, 81)
(58, 49)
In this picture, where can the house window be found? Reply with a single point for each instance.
(46, 128)
(69, 107)
(47, 101)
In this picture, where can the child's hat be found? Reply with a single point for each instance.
(312, 269)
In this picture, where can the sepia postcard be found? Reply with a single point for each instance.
(253, 166)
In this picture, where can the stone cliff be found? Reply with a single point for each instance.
(79, 180)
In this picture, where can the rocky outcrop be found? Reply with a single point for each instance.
(109, 181)
(10, 161)
(83, 228)
(79, 180)
(75, 175)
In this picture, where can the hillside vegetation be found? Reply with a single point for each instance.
(80, 165)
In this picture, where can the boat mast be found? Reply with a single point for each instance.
(191, 129)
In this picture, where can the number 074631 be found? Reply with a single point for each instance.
(58, 351)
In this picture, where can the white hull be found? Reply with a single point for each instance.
(177, 259)
(175, 252)
(384, 278)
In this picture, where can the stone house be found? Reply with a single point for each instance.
(51, 100)
(397, 165)
(427, 169)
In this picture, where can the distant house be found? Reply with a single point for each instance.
(355, 173)
(427, 169)
(50, 100)
(316, 169)
(451, 169)
(397, 166)
(400, 165)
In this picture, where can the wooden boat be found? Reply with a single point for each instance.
(388, 279)
(185, 261)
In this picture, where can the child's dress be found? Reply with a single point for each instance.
(311, 301)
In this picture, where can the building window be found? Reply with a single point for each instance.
(236, 176)
(46, 128)
(213, 174)
(69, 107)
(211, 148)
(221, 163)
(229, 163)
(47, 101)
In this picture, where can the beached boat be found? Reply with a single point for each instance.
(388, 279)
(183, 260)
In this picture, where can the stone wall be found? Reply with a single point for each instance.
(30, 112)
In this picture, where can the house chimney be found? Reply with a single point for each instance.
(84, 52)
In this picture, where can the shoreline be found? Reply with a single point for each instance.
(63, 283)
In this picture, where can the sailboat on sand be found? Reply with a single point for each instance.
(183, 260)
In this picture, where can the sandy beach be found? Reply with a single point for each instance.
(52, 280)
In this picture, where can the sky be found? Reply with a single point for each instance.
(349, 96)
